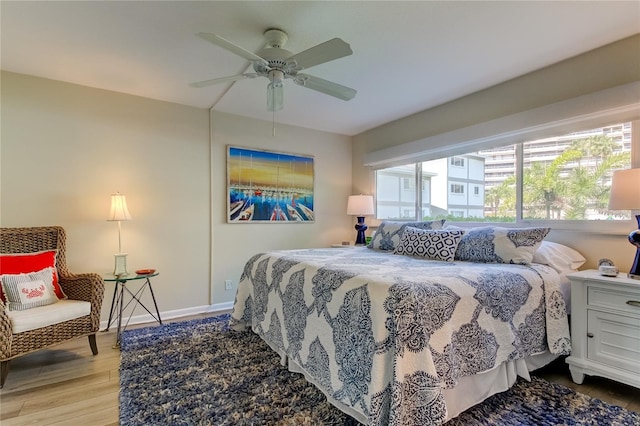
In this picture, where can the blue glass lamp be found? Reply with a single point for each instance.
(625, 195)
(360, 206)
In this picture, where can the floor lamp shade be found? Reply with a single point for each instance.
(625, 195)
(360, 206)
(118, 213)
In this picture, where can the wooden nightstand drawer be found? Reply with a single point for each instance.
(614, 340)
(612, 298)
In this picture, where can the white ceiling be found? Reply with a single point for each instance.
(408, 56)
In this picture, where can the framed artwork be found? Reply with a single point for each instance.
(269, 187)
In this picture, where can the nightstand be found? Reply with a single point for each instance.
(605, 327)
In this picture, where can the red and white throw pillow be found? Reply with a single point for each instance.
(30, 290)
(25, 263)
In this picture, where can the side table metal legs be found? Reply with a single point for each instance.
(118, 305)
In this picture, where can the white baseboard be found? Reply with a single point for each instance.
(167, 315)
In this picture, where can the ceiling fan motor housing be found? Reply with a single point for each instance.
(276, 76)
(275, 55)
(275, 37)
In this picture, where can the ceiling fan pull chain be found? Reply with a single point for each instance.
(273, 123)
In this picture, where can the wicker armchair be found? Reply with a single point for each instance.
(88, 287)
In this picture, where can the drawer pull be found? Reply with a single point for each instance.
(635, 303)
(590, 335)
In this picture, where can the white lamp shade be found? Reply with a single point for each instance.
(119, 210)
(625, 190)
(360, 205)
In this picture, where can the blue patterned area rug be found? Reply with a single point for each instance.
(201, 373)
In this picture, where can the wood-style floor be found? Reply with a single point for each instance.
(66, 385)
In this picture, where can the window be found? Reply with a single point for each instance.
(395, 193)
(565, 177)
(456, 188)
(457, 161)
(407, 184)
(570, 178)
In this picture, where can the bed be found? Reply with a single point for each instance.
(402, 339)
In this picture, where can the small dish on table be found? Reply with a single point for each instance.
(145, 271)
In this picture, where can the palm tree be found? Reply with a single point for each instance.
(502, 198)
(588, 186)
(543, 186)
(598, 146)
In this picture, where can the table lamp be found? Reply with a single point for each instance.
(625, 195)
(119, 212)
(359, 206)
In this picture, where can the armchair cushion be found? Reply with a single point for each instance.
(24, 263)
(43, 316)
(26, 291)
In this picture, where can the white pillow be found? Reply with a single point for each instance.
(26, 291)
(558, 256)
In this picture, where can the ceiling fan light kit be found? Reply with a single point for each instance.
(278, 64)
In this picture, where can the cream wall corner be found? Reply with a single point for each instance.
(66, 148)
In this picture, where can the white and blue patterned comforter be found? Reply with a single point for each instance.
(384, 334)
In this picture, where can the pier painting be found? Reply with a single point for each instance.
(269, 187)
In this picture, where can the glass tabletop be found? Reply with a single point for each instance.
(130, 277)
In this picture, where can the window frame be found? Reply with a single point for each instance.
(459, 186)
(454, 160)
(612, 227)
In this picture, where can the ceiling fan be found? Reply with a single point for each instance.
(278, 64)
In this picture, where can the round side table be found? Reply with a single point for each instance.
(118, 304)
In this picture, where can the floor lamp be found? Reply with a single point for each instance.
(625, 195)
(119, 212)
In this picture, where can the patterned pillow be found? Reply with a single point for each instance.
(388, 234)
(492, 244)
(432, 244)
(26, 291)
(23, 263)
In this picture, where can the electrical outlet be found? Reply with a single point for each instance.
(228, 285)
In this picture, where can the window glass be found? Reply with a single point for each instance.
(566, 177)
(569, 177)
(457, 161)
(475, 192)
(395, 193)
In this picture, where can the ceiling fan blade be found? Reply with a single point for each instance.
(324, 52)
(223, 80)
(325, 86)
(233, 48)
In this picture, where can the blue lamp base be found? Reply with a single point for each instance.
(361, 227)
(634, 239)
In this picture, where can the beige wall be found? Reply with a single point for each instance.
(66, 148)
(609, 66)
(233, 243)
